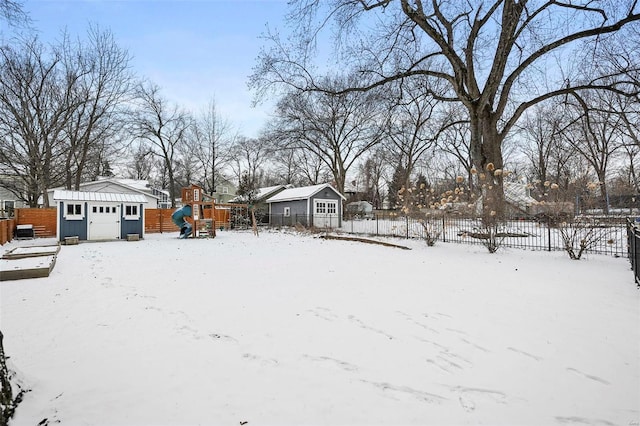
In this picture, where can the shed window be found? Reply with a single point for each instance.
(331, 208)
(287, 211)
(321, 208)
(131, 212)
(74, 211)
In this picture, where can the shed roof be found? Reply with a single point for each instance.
(139, 186)
(301, 193)
(65, 195)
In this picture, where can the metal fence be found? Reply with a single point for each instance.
(606, 234)
(633, 236)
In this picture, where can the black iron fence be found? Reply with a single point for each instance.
(633, 237)
(605, 234)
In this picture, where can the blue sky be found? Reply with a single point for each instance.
(196, 50)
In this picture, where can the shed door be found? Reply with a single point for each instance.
(104, 221)
(325, 213)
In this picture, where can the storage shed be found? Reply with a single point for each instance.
(99, 215)
(316, 205)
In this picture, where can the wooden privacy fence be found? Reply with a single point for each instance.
(43, 221)
(6, 230)
(159, 220)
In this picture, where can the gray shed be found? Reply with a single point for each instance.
(316, 205)
(99, 215)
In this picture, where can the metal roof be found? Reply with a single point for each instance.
(108, 197)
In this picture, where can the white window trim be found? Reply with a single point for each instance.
(287, 211)
(326, 202)
(131, 216)
(74, 216)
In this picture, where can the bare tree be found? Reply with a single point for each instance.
(545, 147)
(249, 158)
(371, 174)
(11, 11)
(212, 138)
(140, 166)
(163, 126)
(454, 141)
(36, 103)
(498, 58)
(100, 94)
(596, 134)
(412, 128)
(630, 115)
(337, 128)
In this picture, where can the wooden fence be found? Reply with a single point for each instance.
(6, 230)
(159, 220)
(43, 221)
(45, 226)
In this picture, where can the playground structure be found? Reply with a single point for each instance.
(191, 218)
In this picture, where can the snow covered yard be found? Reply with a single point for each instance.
(288, 329)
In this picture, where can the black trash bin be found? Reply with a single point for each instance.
(24, 231)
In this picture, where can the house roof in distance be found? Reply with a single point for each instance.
(65, 195)
(261, 193)
(301, 193)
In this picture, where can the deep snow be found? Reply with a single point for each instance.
(289, 329)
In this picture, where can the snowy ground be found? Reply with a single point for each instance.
(290, 329)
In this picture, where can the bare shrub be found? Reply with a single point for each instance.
(426, 206)
(580, 235)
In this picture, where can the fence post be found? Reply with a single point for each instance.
(407, 220)
(548, 235)
(444, 233)
(377, 226)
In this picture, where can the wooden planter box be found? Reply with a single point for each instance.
(28, 262)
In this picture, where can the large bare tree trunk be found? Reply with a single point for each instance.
(8, 402)
(486, 154)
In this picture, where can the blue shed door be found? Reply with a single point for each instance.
(104, 221)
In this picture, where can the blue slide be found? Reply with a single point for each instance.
(178, 217)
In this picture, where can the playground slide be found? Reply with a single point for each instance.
(178, 217)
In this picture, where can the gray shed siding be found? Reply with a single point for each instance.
(298, 210)
(301, 211)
